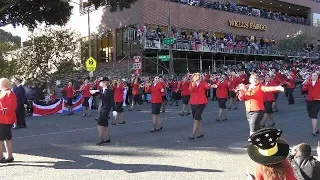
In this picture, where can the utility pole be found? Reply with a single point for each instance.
(89, 33)
(171, 70)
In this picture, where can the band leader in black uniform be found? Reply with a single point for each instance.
(107, 100)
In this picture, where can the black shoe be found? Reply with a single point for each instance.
(177, 104)
(138, 110)
(113, 124)
(123, 122)
(262, 126)
(229, 109)
(187, 114)
(191, 138)
(3, 160)
(224, 119)
(201, 136)
(130, 110)
(160, 129)
(88, 115)
(163, 111)
(10, 160)
(181, 114)
(107, 141)
(217, 120)
(235, 108)
(99, 143)
(153, 130)
(314, 134)
(317, 132)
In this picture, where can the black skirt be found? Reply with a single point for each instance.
(313, 108)
(222, 102)
(156, 108)
(5, 132)
(119, 108)
(85, 102)
(185, 99)
(268, 107)
(69, 101)
(103, 117)
(197, 111)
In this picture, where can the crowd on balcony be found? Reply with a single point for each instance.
(153, 36)
(245, 10)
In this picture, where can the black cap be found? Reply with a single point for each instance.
(104, 79)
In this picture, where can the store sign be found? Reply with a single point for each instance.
(247, 25)
(137, 65)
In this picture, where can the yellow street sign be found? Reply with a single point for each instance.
(91, 64)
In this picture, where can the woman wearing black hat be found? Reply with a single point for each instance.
(270, 152)
(107, 100)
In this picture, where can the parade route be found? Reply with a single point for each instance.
(63, 147)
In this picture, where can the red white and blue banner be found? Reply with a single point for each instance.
(58, 107)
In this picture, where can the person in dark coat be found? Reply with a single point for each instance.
(20, 93)
(107, 103)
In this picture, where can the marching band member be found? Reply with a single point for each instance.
(222, 96)
(8, 106)
(253, 95)
(276, 81)
(185, 95)
(268, 99)
(85, 89)
(234, 82)
(291, 84)
(163, 94)
(135, 92)
(118, 89)
(198, 101)
(313, 100)
(69, 93)
(174, 89)
(156, 90)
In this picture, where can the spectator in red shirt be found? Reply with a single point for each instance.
(85, 90)
(313, 100)
(135, 93)
(156, 89)
(222, 96)
(185, 95)
(198, 101)
(69, 93)
(8, 106)
(268, 100)
(118, 89)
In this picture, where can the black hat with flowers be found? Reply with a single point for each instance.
(267, 148)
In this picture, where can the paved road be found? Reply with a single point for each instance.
(63, 147)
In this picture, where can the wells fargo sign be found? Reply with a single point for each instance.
(247, 25)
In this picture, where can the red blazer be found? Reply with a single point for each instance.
(234, 82)
(156, 94)
(69, 91)
(292, 81)
(135, 88)
(86, 90)
(118, 93)
(174, 86)
(269, 96)
(184, 87)
(8, 106)
(313, 91)
(222, 89)
(164, 84)
(254, 98)
(198, 93)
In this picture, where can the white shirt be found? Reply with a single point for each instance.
(313, 83)
(103, 90)
(197, 83)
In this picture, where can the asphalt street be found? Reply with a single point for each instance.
(63, 147)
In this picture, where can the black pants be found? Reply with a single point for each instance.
(20, 113)
(289, 94)
(208, 93)
(214, 90)
(254, 118)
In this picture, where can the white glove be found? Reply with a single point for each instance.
(114, 113)
(318, 152)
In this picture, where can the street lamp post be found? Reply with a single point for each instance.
(171, 70)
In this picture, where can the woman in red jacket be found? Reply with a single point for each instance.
(69, 93)
(268, 99)
(291, 85)
(85, 89)
(253, 95)
(313, 100)
(198, 101)
(156, 89)
(185, 95)
(222, 96)
(118, 89)
(135, 93)
(8, 105)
